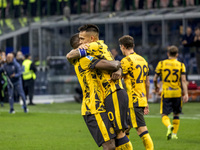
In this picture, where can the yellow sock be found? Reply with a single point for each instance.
(123, 144)
(176, 123)
(147, 141)
(166, 121)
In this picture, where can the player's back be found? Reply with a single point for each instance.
(171, 70)
(135, 70)
(100, 50)
(92, 94)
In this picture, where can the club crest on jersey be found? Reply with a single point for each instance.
(89, 57)
(143, 95)
(170, 88)
(112, 130)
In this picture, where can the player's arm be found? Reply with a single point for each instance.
(147, 85)
(106, 65)
(114, 66)
(117, 74)
(77, 53)
(73, 54)
(155, 81)
(185, 89)
(155, 78)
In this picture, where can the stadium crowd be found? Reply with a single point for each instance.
(190, 45)
(21, 8)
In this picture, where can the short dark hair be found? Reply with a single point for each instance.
(172, 50)
(74, 41)
(127, 41)
(14, 54)
(197, 28)
(89, 28)
(27, 56)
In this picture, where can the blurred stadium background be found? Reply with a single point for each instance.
(43, 29)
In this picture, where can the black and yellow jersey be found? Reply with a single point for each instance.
(135, 71)
(170, 71)
(100, 50)
(92, 102)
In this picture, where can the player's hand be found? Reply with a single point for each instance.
(146, 110)
(185, 98)
(116, 75)
(157, 89)
(184, 42)
(84, 46)
(12, 75)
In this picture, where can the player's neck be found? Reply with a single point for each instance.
(128, 52)
(170, 57)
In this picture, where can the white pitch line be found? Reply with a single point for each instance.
(195, 117)
(181, 117)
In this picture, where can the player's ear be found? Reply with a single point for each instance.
(123, 46)
(92, 38)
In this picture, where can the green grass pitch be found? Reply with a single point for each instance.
(61, 127)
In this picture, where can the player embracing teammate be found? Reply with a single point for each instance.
(109, 112)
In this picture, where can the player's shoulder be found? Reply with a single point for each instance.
(139, 57)
(95, 45)
(126, 59)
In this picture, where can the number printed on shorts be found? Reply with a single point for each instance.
(110, 116)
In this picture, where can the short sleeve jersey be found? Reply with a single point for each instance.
(170, 71)
(135, 71)
(93, 101)
(100, 50)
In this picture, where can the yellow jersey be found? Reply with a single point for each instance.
(135, 71)
(100, 50)
(170, 71)
(93, 101)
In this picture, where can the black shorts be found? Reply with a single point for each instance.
(168, 105)
(117, 108)
(100, 127)
(136, 117)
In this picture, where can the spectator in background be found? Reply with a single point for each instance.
(3, 6)
(164, 3)
(29, 77)
(113, 5)
(16, 4)
(197, 45)
(116, 54)
(141, 4)
(33, 7)
(20, 57)
(25, 7)
(129, 4)
(187, 41)
(73, 6)
(62, 4)
(3, 80)
(13, 71)
(189, 2)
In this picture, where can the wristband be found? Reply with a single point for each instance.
(82, 52)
